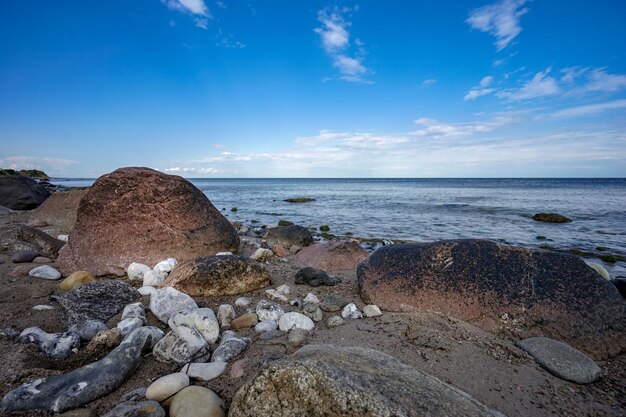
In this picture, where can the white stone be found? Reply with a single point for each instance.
(128, 325)
(223, 253)
(166, 301)
(372, 310)
(284, 260)
(284, 289)
(166, 386)
(293, 320)
(166, 266)
(136, 271)
(265, 326)
(262, 254)
(225, 314)
(351, 311)
(243, 302)
(600, 270)
(42, 307)
(266, 310)
(64, 238)
(275, 295)
(203, 320)
(153, 279)
(204, 371)
(45, 272)
(311, 298)
(147, 290)
(135, 310)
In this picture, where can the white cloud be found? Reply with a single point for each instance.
(570, 74)
(429, 82)
(500, 19)
(480, 90)
(590, 109)
(540, 85)
(433, 129)
(335, 39)
(197, 8)
(599, 80)
(52, 166)
(190, 170)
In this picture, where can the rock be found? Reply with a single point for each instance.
(267, 310)
(297, 337)
(88, 329)
(299, 200)
(620, 285)
(99, 300)
(133, 208)
(54, 345)
(284, 223)
(4, 211)
(600, 270)
(9, 333)
(18, 192)
(42, 260)
(311, 298)
(37, 223)
(276, 296)
(314, 277)
(64, 238)
(225, 314)
(21, 270)
(332, 303)
(261, 255)
(135, 310)
(76, 279)
(224, 254)
(42, 307)
(137, 409)
(295, 320)
(279, 250)
(24, 256)
(164, 267)
(197, 402)
(217, 276)
(135, 395)
(229, 348)
(166, 386)
(18, 237)
(238, 369)
(335, 321)
(45, 272)
(351, 312)
(202, 320)
(271, 334)
(244, 321)
(551, 218)
(266, 326)
(60, 208)
(333, 255)
(105, 339)
(288, 236)
(325, 228)
(322, 380)
(146, 291)
(128, 325)
(204, 371)
(283, 289)
(562, 360)
(312, 311)
(79, 412)
(372, 310)
(164, 302)
(187, 345)
(480, 281)
(137, 271)
(243, 302)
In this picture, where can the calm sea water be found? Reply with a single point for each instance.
(434, 209)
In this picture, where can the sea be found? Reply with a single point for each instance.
(434, 209)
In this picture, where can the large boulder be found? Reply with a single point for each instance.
(18, 192)
(524, 291)
(333, 255)
(18, 237)
(142, 215)
(323, 380)
(288, 236)
(218, 275)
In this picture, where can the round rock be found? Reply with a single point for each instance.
(197, 401)
(166, 386)
(45, 272)
(295, 320)
(164, 302)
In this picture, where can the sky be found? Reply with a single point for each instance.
(243, 88)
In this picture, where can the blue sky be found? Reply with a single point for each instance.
(246, 88)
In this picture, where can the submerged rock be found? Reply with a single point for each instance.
(83, 385)
(551, 218)
(322, 380)
(54, 345)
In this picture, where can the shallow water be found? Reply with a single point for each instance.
(435, 209)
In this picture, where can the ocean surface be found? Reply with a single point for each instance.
(434, 209)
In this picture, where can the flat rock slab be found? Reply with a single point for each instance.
(19, 237)
(562, 360)
(322, 380)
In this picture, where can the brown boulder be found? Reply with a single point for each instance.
(19, 237)
(142, 215)
(523, 291)
(333, 255)
(218, 275)
(60, 209)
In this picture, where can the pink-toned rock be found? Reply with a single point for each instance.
(42, 260)
(142, 215)
(238, 369)
(333, 255)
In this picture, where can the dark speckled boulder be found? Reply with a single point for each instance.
(18, 192)
(522, 291)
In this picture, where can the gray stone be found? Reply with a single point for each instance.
(128, 325)
(312, 311)
(201, 320)
(267, 310)
(372, 310)
(204, 371)
(322, 380)
(54, 345)
(229, 348)
(271, 334)
(88, 329)
(83, 385)
(297, 337)
(9, 333)
(180, 348)
(266, 326)
(136, 271)
(335, 321)
(137, 409)
(294, 320)
(351, 312)
(332, 303)
(24, 256)
(243, 302)
(135, 395)
(98, 300)
(135, 310)
(314, 277)
(225, 314)
(45, 272)
(562, 360)
(164, 302)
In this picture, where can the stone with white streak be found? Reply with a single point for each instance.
(293, 320)
(229, 348)
(135, 310)
(128, 325)
(225, 314)
(266, 310)
(351, 312)
(167, 301)
(202, 320)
